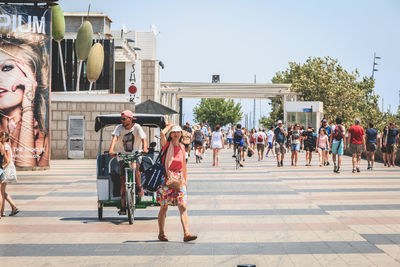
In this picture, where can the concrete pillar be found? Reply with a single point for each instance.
(284, 110)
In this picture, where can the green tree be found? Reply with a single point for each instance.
(217, 111)
(267, 122)
(343, 93)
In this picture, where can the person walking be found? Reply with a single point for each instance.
(186, 140)
(9, 174)
(253, 134)
(308, 137)
(229, 137)
(270, 136)
(175, 166)
(357, 143)
(217, 142)
(391, 145)
(279, 141)
(246, 142)
(372, 139)
(383, 142)
(322, 146)
(337, 143)
(261, 143)
(295, 144)
(324, 124)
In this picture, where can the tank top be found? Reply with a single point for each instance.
(198, 135)
(322, 141)
(177, 161)
(216, 140)
(295, 137)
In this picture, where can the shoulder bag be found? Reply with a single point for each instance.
(154, 173)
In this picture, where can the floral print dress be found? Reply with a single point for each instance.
(167, 196)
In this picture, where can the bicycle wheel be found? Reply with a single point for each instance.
(237, 159)
(130, 204)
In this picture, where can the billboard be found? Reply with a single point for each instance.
(25, 39)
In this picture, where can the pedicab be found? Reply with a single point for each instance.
(108, 177)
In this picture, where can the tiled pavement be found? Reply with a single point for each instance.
(261, 214)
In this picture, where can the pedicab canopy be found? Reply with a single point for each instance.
(147, 120)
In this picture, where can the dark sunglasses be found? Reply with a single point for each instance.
(122, 119)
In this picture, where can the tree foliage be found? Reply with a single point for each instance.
(343, 93)
(217, 111)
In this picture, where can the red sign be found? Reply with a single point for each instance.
(132, 89)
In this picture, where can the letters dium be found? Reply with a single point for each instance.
(17, 24)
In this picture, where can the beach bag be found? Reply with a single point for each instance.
(154, 174)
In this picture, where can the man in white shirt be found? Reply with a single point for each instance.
(261, 143)
(270, 135)
(128, 138)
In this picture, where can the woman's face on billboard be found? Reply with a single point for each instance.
(11, 79)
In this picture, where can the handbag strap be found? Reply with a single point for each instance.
(162, 153)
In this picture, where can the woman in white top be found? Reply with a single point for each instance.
(217, 143)
(8, 166)
(322, 146)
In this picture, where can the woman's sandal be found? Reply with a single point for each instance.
(189, 238)
(14, 212)
(163, 238)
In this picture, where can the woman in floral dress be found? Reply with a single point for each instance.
(175, 166)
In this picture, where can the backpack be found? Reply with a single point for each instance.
(238, 135)
(338, 135)
(260, 138)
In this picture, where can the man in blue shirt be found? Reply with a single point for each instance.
(371, 136)
(392, 142)
(280, 140)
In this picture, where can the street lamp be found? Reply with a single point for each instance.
(375, 64)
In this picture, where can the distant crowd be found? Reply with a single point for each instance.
(331, 140)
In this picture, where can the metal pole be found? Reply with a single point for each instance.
(181, 111)
(254, 105)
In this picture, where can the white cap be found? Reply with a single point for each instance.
(279, 122)
(176, 128)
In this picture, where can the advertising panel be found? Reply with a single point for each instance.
(25, 39)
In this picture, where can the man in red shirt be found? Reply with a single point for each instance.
(357, 144)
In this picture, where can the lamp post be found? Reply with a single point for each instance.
(375, 64)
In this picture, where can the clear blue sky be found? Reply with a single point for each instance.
(238, 39)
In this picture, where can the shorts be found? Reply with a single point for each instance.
(371, 147)
(121, 167)
(356, 148)
(270, 145)
(391, 148)
(295, 147)
(323, 148)
(383, 149)
(260, 147)
(198, 143)
(280, 148)
(240, 143)
(229, 140)
(337, 148)
(309, 148)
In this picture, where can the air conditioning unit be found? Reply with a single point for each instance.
(76, 137)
